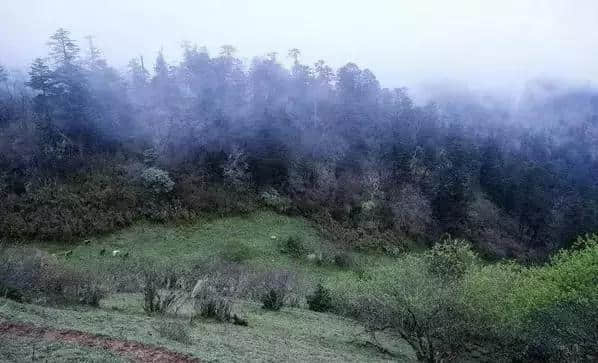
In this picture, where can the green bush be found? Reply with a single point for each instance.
(273, 299)
(563, 332)
(294, 247)
(277, 287)
(214, 307)
(344, 260)
(451, 258)
(237, 252)
(420, 307)
(538, 313)
(320, 300)
(272, 199)
(157, 181)
(209, 302)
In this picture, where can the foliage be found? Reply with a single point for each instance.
(150, 156)
(273, 299)
(541, 312)
(451, 258)
(157, 180)
(344, 260)
(277, 286)
(274, 200)
(320, 300)
(159, 296)
(307, 140)
(294, 246)
(28, 274)
(528, 313)
(210, 303)
(83, 204)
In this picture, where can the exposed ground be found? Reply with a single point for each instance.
(137, 352)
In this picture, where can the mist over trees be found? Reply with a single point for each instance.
(85, 148)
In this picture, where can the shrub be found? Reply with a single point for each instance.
(412, 211)
(294, 247)
(344, 260)
(151, 296)
(427, 312)
(320, 300)
(239, 321)
(538, 313)
(214, 307)
(236, 171)
(209, 303)
(276, 288)
(159, 294)
(420, 307)
(28, 274)
(451, 258)
(273, 299)
(86, 289)
(157, 181)
(271, 198)
(213, 294)
(150, 155)
(564, 332)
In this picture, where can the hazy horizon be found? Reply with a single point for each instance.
(405, 43)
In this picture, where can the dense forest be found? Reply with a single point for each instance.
(86, 149)
(319, 215)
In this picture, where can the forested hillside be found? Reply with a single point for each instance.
(86, 149)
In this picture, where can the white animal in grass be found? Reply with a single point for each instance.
(115, 253)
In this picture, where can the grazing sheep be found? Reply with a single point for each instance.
(115, 253)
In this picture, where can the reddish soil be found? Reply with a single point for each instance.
(137, 352)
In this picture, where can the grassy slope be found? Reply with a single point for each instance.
(217, 238)
(290, 335)
(188, 243)
(32, 350)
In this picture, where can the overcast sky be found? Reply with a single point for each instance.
(405, 42)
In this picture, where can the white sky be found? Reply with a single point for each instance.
(492, 43)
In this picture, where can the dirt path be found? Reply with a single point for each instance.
(135, 351)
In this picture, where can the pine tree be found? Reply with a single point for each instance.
(63, 49)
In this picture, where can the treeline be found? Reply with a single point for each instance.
(87, 149)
